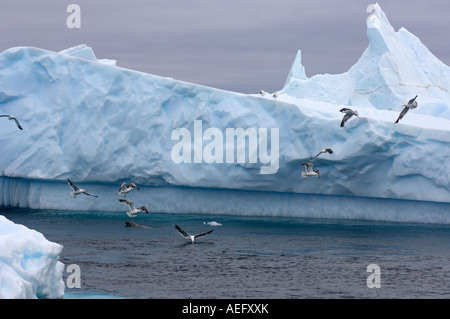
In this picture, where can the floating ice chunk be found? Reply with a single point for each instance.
(212, 223)
(29, 266)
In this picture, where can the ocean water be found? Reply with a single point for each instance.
(245, 257)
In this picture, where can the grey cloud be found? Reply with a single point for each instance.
(237, 45)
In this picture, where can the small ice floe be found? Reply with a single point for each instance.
(213, 223)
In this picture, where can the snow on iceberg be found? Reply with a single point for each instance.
(29, 266)
(100, 125)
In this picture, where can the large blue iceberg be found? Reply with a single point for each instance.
(193, 148)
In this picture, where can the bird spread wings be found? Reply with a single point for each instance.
(348, 114)
(78, 190)
(186, 235)
(412, 104)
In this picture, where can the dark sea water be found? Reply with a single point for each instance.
(246, 257)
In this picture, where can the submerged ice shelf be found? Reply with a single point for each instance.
(100, 125)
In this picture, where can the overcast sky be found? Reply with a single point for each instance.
(238, 45)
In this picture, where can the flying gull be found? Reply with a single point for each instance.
(78, 191)
(191, 237)
(124, 189)
(348, 114)
(133, 210)
(412, 104)
(11, 117)
(326, 150)
(309, 171)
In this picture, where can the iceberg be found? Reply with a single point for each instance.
(29, 266)
(193, 148)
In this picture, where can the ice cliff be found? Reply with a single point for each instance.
(29, 266)
(99, 125)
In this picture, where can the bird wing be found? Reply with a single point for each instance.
(345, 118)
(4, 115)
(318, 154)
(128, 202)
(17, 123)
(412, 100)
(143, 208)
(204, 233)
(122, 187)
(86, 193)
(329, 150)
(134, 186)
(404, 111)
(72, 185)
(181, 231)
(308, 167)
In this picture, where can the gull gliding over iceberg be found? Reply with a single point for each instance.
(124, 189)
(348, 114)
(412, 104)
(326, 150)
(78, 191)
(309, 171)
(133, 212)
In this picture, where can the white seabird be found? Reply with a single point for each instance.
(191, 237)
(11, 117)
(412, 104)
(78, 191)
(326, 150)
(309, 171)
(124, 189)
(133, 210)
(348, 114)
